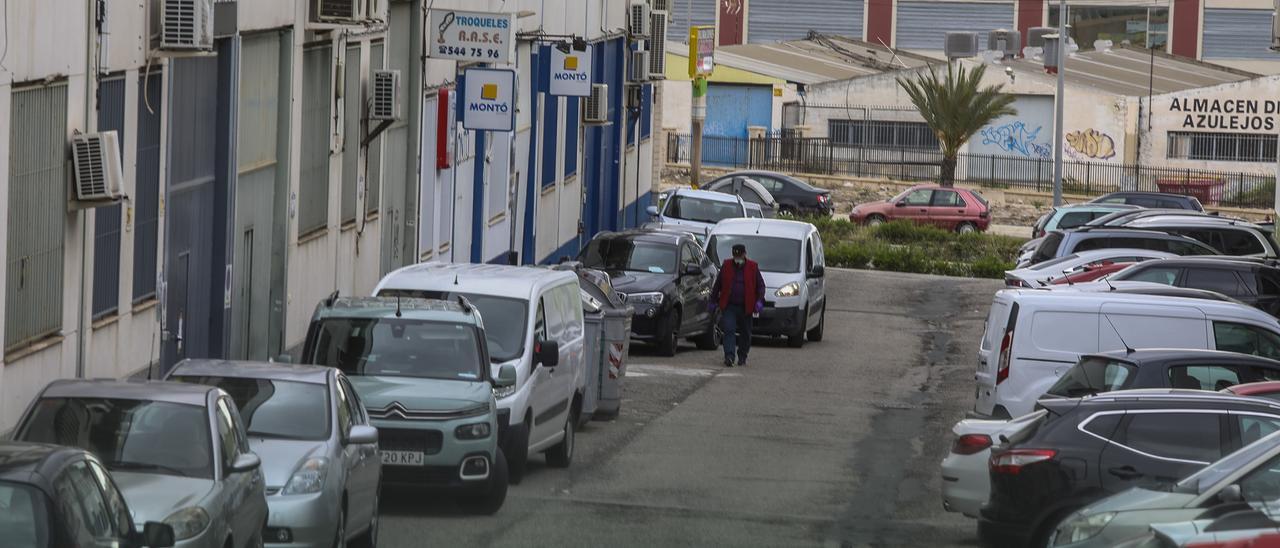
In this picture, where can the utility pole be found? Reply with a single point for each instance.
(1058, 103)
(702, 47)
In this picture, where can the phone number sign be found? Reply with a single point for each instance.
(472, 36)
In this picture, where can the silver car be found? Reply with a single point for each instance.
(178, 452)
(322, 480)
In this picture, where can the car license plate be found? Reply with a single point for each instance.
(403, 458)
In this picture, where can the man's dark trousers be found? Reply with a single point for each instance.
(736, 324)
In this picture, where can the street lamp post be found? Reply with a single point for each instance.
(1058, 103)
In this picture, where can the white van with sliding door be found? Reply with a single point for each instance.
(1033, 336)
(533, 321)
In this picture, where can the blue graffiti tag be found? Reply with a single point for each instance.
(1015, 137)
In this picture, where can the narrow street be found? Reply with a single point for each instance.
(834, 444)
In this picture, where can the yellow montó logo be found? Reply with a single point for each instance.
(1092, 143)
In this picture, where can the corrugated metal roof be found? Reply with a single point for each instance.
(821, 58)
(1127, 71)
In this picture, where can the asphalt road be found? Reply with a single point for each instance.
(834, 444)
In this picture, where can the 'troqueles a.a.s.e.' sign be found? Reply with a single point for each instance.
(471, 36)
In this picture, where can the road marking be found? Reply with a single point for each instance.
(646, 370)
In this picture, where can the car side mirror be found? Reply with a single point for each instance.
(652, 211)
(506, 376)
(157, 535)
(817, 271)
(362, 434)
(546, 353)
(1230, 494)
(901, 204)
(692, 270)
(246, 462)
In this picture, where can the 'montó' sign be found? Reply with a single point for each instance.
(1092, 143)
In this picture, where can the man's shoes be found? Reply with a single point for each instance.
(742, 362)
(728, 362)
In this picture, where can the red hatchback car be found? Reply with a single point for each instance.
(957, 209)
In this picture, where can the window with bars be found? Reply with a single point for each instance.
(146, 200)
(106, 227)
(1222, 147)
(313, 194)
(882, 134)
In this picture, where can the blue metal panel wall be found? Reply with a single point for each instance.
(146, 199)
(922, 25)
(1237, 34)
(106, 226)
(774, 21)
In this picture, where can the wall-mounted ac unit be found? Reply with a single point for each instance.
(596, 107)
(638, 69)
(98, 170)
(1006, 43)
(958, 45)
(658, 45)
(1035, 36)
(660, 5)
(386, 96)
(339, 11)
(638, 19)
(185, 25)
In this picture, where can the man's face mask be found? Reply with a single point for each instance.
(739, 260)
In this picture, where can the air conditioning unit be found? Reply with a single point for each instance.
(1035, 36)
(639, 67)
(1007, 43)
(658, 45)
(375, 10)
(185, 25)
(386, 96)
(596, 107)
(638, 19)
(960, 44)
(660, 5)
(339, 11)
(98, 170)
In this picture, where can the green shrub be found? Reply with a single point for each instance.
(990, 266)
(901, 259)
(848, 255)
(905, 232)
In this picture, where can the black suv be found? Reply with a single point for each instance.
(1151, 200)
(794, 197)
(1162, 368)
(665, 277)
(1254, 284)
(1078, 451)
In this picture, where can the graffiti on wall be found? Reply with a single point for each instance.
(1090, 144)
(1017, 138)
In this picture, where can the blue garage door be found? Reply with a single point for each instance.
(731, 109)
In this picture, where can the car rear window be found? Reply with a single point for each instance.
(1094, 375)
(1073, 219)
(981, 199)
(1048, 248)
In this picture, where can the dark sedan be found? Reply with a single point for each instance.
(1249, 282)
(794, 197)
(1162, 368)
(1161, 200)
(665, 277)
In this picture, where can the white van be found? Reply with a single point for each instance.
(1033, 336)
(793, 266)
(533, 320)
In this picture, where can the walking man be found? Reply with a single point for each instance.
(739, 293)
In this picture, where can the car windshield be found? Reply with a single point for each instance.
(400, 347)
(1092, 376)
(128, 435)
(1213, 474)
(772, 254)
(701, 210)
(504, 318)
(276, 409)
(631, 255)
(24, 518)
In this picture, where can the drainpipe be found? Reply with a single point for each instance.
(90, 124)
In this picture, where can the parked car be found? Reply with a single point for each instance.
(1242, 528)
(794, 196)
(668, 280)
(965, 482)
(696, 210)
(1041, 274)
(319, 453)
(1071, 216)
(957, 209)
(1259, 389)
(420, 370)
(1150, 200)
(62, 496)
(1254, 284)
(1091, 273)
(1062, 243)
(1119, 218)
(1082, 450)
(793, 265)
(1243, 481)
(1034, 336)
(178, 452)
(1229, 236)
(533, 322)
(1192, 369)
(750, 190)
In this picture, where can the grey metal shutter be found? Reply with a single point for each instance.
(352, 112)
(106, 224)
(774, 21)
(704, 13)
(377, 51)
(922, 25)
(313, 199)
(37, 214)
(146, 199)
(1237, 34)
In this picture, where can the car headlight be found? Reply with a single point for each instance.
(477, 431)
(187, 522)
(309, 478)
(1079, 528)
(500, 392)
(654, 298)
(790, 290)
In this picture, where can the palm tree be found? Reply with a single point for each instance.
(956, 108)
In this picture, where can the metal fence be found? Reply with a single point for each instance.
(818, 155)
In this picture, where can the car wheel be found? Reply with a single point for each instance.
(874, 220)
(517, 451)
(340, 532)
(369, 539)
(815, 334)
(709, 340)
(561, 454)
(786, 211)
(965, 228)
(796, 340)
(669, 337)
(488, 502)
